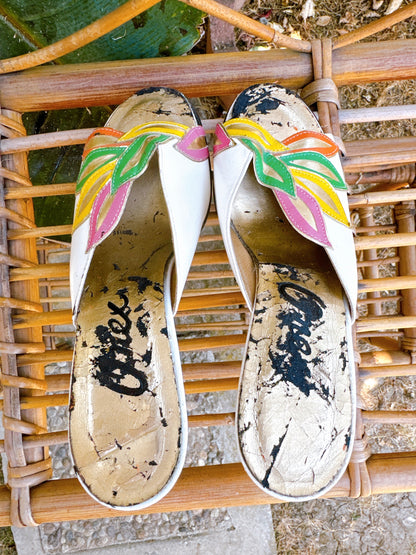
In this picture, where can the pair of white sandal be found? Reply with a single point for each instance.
(137, 220)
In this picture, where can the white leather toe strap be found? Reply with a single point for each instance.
(100, 201)
(308, 185)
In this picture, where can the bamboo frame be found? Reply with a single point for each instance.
(79, 85)
(31, 392)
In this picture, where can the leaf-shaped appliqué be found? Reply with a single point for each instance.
(301, 209)
(270, 170)
(113, 160)
(330, 173)
(303, 179)
(106, 212)
(321, 143)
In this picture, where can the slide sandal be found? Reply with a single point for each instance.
(284, 220)
(137, 220)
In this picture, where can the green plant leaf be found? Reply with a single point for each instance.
(169, 28)
(58, 165)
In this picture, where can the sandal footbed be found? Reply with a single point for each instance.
(295, 405)
(126, 422)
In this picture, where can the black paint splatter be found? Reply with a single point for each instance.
(273, 454)
(289, 356)
(115, 361)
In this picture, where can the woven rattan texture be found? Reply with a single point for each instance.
(36, 324)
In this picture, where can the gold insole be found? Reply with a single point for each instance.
(125, 419)
(294, 408)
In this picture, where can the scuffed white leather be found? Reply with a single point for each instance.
(230, 166)
(187, 188)
(79, 264)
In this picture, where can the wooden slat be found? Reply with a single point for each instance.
(210, 257)
(40, 191)
(211, 301)
(379, 198)
(206, 386)
(384, 358)
(385, 241)
(386, 284)
(390, 417)
(206, 420)
(49, 231)
(42, 271)
(387, 371)
(382, 323)
(215, 342)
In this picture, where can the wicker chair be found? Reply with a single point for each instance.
(32, 281)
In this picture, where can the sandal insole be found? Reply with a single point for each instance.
(125, 418)
(294, 408)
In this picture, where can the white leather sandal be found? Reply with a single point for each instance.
(137, 220)
(283, 210)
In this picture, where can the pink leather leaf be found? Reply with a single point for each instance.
(111, 217)
(304, 200)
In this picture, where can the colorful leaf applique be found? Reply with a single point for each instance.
(112, 160)
(304, 180)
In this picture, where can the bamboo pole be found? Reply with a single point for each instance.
(380, 300)
(385, 323)
(65, 138)
(385, 358)
(387, 371)
(389, 417)
(381, 197)
(80, 85)
(378, 160)
(42, 440)
(376, 26)
(197, 488)
(36, 232)
(379, 113)
(45, 140)
(386, 284)
(373, 228)
(385, 241)
(51, 318)
(249, 25)
(206, 420)
(40, 191)
(379, 261)
(41, 271)
(392, 472)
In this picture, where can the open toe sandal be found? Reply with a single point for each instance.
(142, 196)
(283, 211)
